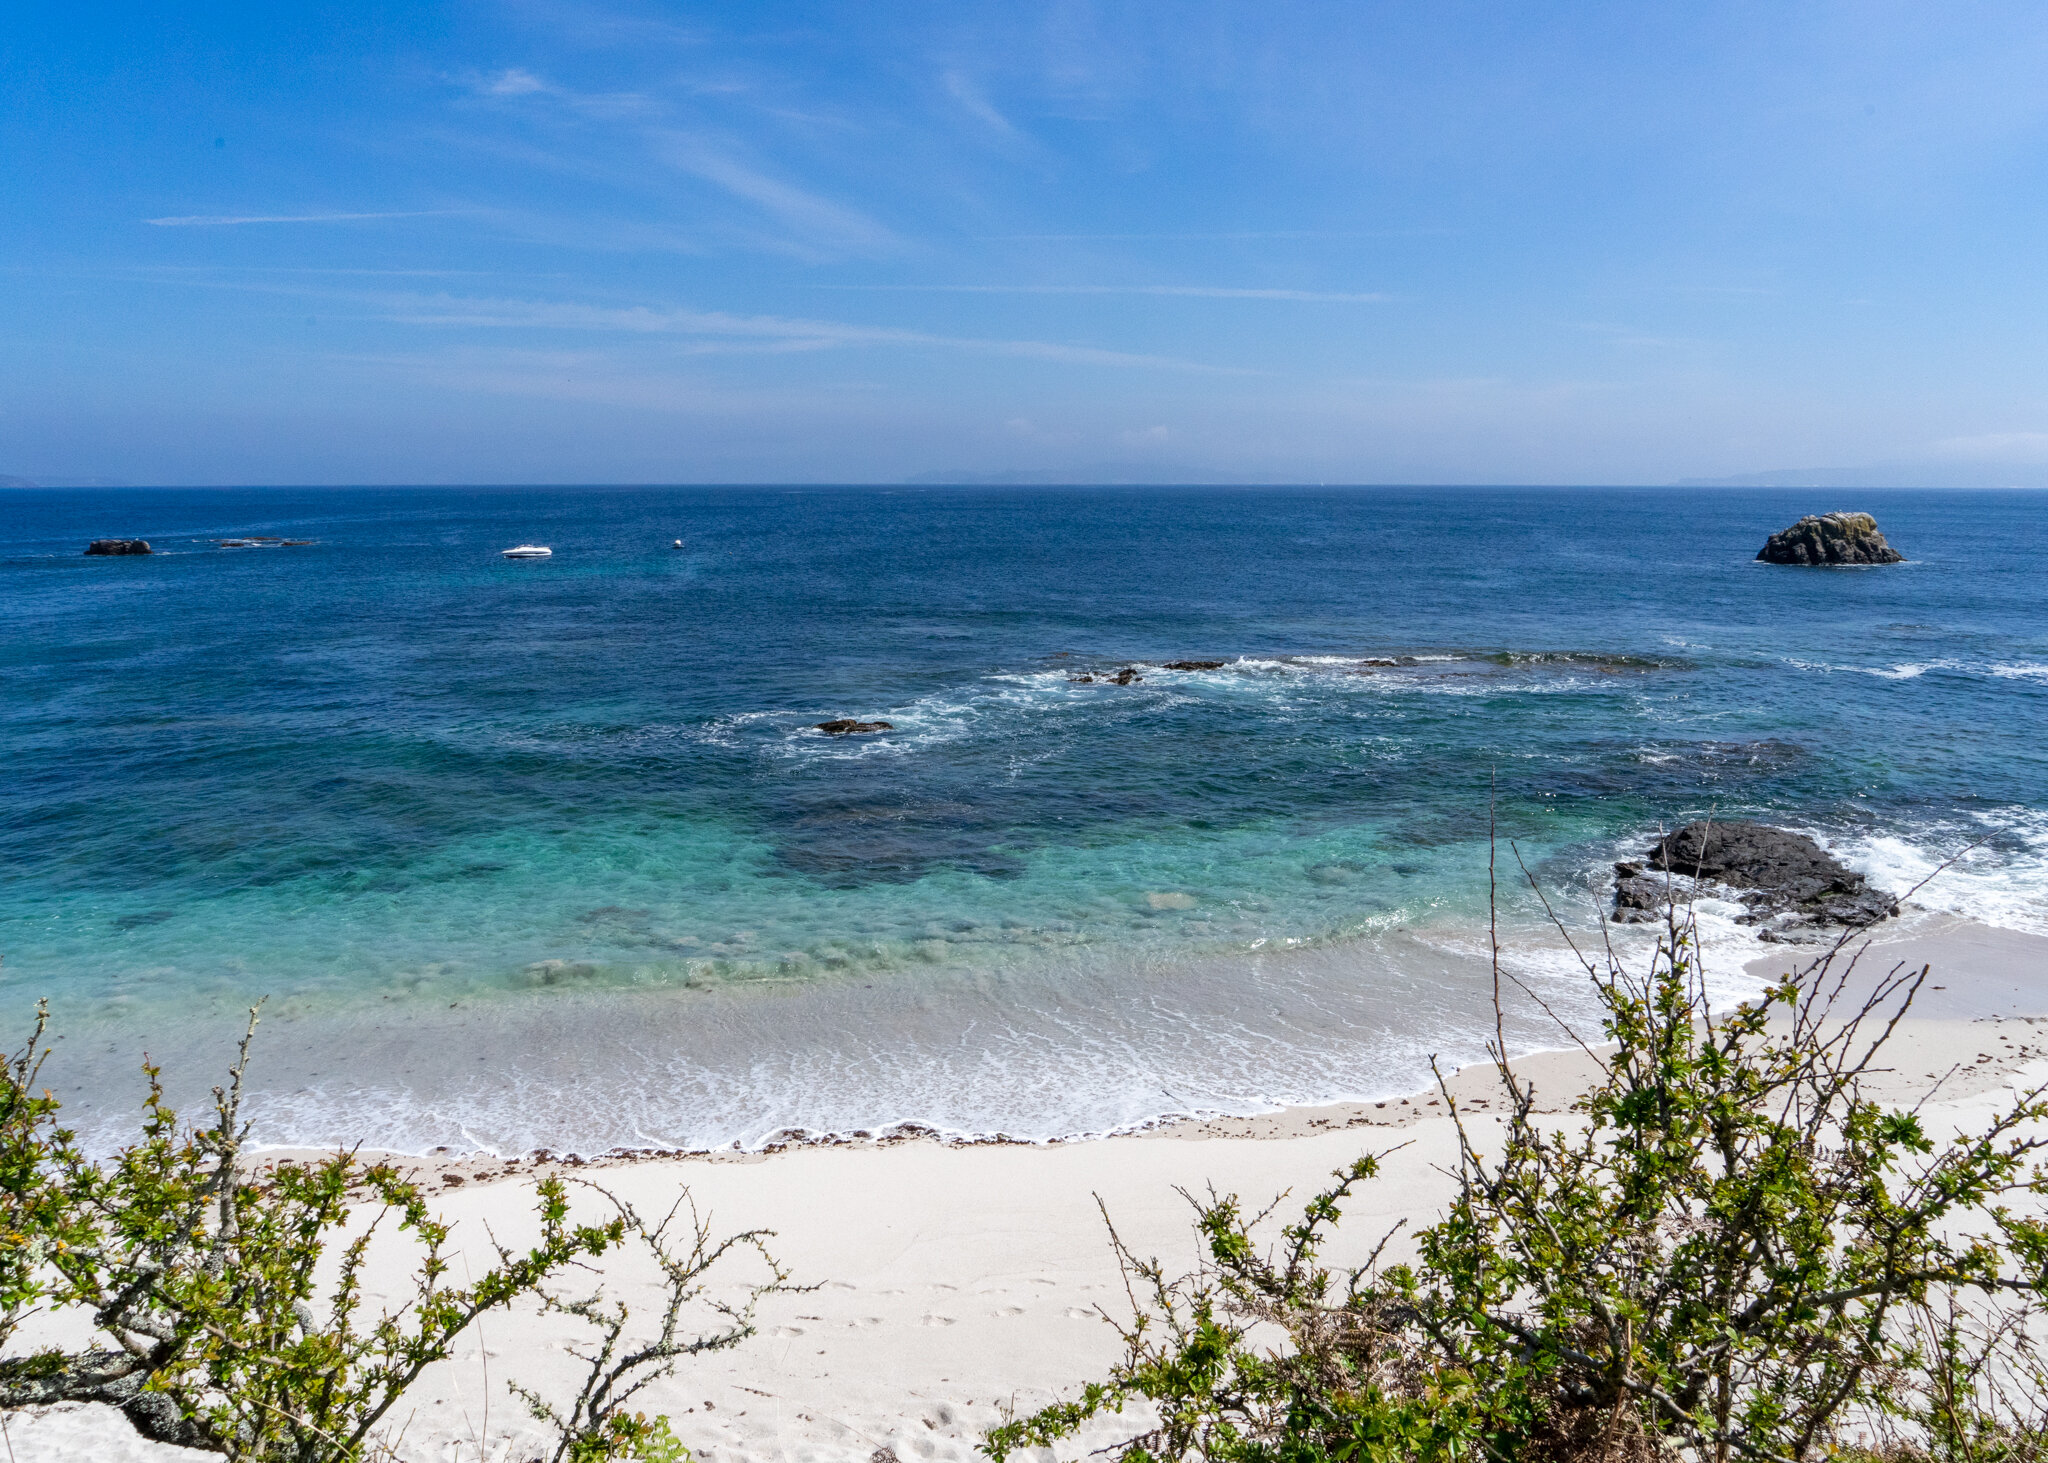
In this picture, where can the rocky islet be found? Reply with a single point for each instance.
(118, 547)
(1822, 539)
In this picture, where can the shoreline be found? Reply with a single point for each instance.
(1074, 1044)
(1980, 973)
(956, 1279)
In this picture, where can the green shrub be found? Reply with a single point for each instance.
(1732, 1253)
(228, 1304)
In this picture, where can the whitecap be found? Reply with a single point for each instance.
(1996, 866)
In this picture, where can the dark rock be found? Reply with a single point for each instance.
(1125, 676)
(1778, 873)
(1747, 856)
(1639, 898)
(1830, 538)
(119, 546)
(1082, 680)
(1854, 908)
(846, 726)
(1194, 665)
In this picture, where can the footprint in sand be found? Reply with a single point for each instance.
(1080, 1313)
(1008, 1311)
(936, 1321)
(787, 1331)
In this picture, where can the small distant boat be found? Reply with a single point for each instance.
(528, 551)
(679, 543)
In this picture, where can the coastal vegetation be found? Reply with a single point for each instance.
(227, 1305)
(1731, 1252)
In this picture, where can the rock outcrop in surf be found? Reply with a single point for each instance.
(105, 546)
(846, 726)
(1781, 876)
(1830, 538)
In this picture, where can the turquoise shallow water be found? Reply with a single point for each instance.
(391, 774)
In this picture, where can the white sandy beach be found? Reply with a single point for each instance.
(954, 1281)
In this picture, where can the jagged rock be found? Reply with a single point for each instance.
(1830, 538)
(1638, 897)
(119, 546)
(1194, 665)
(1775, 873)
(846, 726)
(1748, 856)
(1125, 676)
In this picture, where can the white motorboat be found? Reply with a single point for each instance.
(529, 551)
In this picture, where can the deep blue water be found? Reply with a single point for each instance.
(392, 766)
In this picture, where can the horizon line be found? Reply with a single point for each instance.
(970, 481)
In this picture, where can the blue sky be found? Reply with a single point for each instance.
(860, 242)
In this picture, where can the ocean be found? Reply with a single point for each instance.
(550, 854)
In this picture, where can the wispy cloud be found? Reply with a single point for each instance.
(1231, 235)
(1194, 291)
(592, 377)
(764, 332)
(961, 88)
(514, 81)
(814, 219)
(801, 222)
(230, 220)
(227, 274)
